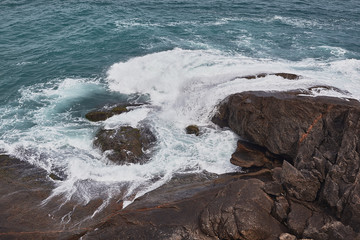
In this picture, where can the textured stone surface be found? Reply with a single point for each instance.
(25, 215)
(287, 236)
(125, 144)
(318, 136)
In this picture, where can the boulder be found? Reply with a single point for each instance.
(193, 129)
(318, 136)
(241, 210)
(125, 144)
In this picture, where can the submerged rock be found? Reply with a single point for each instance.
(193, 129)
(55, 177)
(289, 76)
(125, 144)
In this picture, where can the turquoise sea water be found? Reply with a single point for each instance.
(61, 59)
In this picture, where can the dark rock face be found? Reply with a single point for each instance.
(107, 112)
(241, 210)
(125, 144)
(252, 157)
(103, 114)
(319, 138)
(303, 187)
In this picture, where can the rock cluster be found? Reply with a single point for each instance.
(300, 179)
(124, 144)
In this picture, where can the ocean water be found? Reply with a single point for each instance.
(62, 59)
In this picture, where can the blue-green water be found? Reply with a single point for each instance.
(61, 59)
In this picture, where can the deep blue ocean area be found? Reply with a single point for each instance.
(61, 59)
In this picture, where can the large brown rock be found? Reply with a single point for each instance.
(197, 207)
(318, 136)
(125, 144)
(241, 211)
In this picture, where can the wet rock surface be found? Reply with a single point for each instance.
(226, 207)
(318, 141)
(192, 129)
(300, 181)
(103, 114)
(107, 112)
(25, 215)
(125, 144)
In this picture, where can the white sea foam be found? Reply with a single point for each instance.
(184, 87)
(336, 51)
(299, 22)
(131, 118)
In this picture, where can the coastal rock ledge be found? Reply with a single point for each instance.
(300, 180)
(318, 140)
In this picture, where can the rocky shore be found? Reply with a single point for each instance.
(300, 163)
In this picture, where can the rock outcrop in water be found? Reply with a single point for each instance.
(103, 114)
(106, 112)
(318, 138)
(192, 129)
(125, 144)
(301, 180)
(288, 76)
